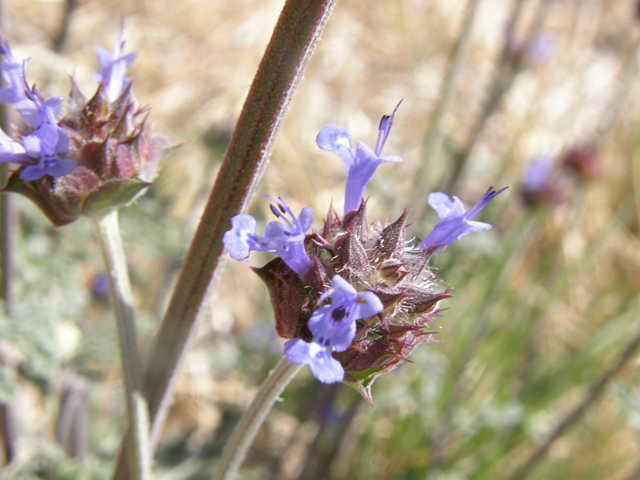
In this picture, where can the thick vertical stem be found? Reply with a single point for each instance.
(138, 429)
(294, 38)
(253, 418)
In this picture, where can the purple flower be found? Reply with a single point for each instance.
(335, 325)
(12, 151)
(42, 150)
(113, 66)
(333, 328)
(541, 48)
(48, 165)
(11, 72)
(454, 221)
(284, 239)
(47, 136)
(48, 142)
(323, 366)
(536, 174)
(543, 182)
(362, 163)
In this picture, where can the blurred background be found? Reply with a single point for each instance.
(542, 330)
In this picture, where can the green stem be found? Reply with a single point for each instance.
(253, 418)
(108, 232)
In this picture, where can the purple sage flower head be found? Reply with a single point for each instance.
(382, 299)
(543, 183)
(99, 156)
(383, 293)
(454, 220)
(113, 67)
(361, 163)
(285, 238)
(333, 328)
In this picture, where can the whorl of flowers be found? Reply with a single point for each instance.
(79, 156)
(353, 299)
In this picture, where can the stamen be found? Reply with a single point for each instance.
(274, 210)
(282, 205)
(384, 129)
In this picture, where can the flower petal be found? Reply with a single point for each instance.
(441, 203)
(368, 305)
(239, 240)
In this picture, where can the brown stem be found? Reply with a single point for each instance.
(298, 29)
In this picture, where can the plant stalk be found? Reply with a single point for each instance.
(246, 429)
(299, 27)
(108, 231)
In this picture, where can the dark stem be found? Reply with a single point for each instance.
(300, 24)
(61, 37)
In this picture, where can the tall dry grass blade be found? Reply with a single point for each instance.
(574, 415)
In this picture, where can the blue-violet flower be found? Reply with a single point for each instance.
(47, 141)
(284, 239)
(113, 66)
(454, 221)
(333, 328)
(543, 182)
(361, 163)
(11, 72)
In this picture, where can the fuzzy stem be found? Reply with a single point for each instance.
(574, 415)
(108, 232)
(253, 418)
(294, 38)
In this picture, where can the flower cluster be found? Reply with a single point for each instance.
(353, 299)
(100, 155)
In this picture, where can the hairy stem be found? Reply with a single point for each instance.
(294, 38)
(108, 232)
(253, 418)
